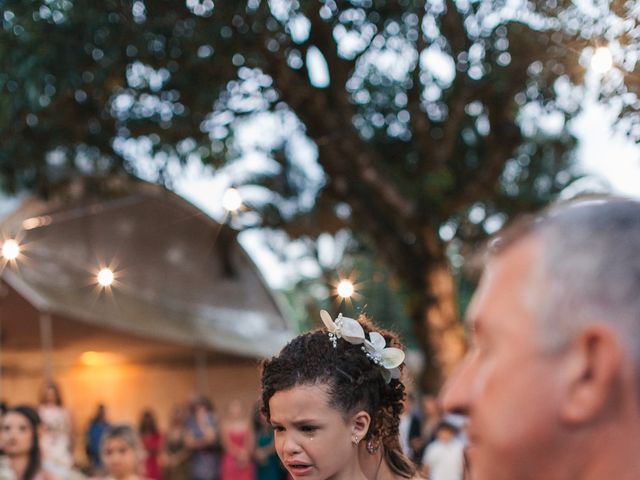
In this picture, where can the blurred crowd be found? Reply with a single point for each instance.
(199, 443)
(37, 443)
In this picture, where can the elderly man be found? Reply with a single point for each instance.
(551, 384)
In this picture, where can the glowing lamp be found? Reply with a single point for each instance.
(345, 289)
(105, 277)
(10, 249)
(100, 359)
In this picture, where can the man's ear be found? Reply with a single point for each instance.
(360, 422)
(592, 374)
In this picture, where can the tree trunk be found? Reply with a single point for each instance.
(438, 328)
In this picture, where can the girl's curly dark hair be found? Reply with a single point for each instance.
(353, 381)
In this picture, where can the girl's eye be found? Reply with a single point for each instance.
(278, 428)
(308, 428)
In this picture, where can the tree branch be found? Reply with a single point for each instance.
(459, 95)
(332, 127)
(452, 27)
(421, 135)
(500, 144)
(321, 35)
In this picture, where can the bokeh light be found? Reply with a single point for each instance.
(105, 277)
(231, 200)
(345, 289)
(10, 249)
(602, 60)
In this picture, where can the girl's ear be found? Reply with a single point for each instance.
(360, 423)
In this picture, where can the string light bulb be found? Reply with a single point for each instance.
(601, 60)
(10, 249)
(105, 277)
(345, 289)
(231, 200)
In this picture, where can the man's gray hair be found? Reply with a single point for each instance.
(589, 270)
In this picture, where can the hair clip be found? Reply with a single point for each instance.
(343, 327)
(388, 358)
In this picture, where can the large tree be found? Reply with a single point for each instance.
(432, 121)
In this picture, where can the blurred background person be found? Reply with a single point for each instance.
(405, 425)
(5, 469)
(121, 453)
(414, 434)
(21, 445)
(238, 443)
(151, 443)
(444, 457)
(97, 426)
(431, 419)
(268, 466)
(202, 441)
(56, 441)
(174, 457)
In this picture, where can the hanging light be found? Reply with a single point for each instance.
(105, 277)
(601, 60)
(10, 249)
(345, 289)
(231, 200)
(100, 359)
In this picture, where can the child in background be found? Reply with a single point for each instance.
(121, 453)
(444, 458)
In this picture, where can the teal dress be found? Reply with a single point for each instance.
(271, 469)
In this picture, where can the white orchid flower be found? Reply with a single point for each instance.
(389, 358)
(343, 327)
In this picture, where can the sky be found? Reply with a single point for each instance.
(607, 153)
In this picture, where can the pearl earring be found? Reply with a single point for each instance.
(372, 447)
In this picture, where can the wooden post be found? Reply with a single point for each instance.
(46, 342)
(202, 383)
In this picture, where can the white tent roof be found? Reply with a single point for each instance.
(180, 276)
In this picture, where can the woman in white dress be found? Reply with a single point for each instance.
(56, 437)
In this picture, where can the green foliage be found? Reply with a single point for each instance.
(81, 79)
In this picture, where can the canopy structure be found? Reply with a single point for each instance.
(181, 279)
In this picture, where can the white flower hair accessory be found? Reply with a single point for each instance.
(343, 327)
(389, 358)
